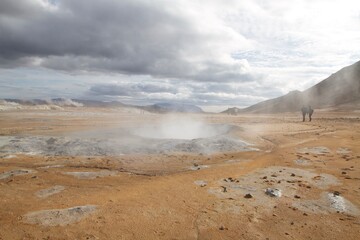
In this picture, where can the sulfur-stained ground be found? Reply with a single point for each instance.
(174, 195)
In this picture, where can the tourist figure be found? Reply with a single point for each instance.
(307, 110)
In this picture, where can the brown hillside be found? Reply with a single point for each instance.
(341, 89)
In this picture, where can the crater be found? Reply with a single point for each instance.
(167, 136)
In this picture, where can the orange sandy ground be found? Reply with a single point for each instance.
(154, 196)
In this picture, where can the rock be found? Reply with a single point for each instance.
(223, 228)
(336, 193)
(248, 195)
(273, 192)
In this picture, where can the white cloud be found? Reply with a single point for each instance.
(205, 52)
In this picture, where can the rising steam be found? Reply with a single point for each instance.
(180, 127)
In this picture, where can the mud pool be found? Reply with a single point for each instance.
(152, 139)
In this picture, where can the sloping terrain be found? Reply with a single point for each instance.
(341, 89)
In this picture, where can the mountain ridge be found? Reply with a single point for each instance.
(339, 89)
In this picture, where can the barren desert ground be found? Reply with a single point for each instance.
(109, 174)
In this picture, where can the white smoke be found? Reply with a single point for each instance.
(65, 103)
(180, 127)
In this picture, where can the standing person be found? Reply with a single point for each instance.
(307, 110)
(311, 111)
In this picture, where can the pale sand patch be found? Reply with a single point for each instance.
(302, 162)
(44, 193)
(199, 167)
(200, 183)
(284, 179)
(92, 175)
(327, 203)
(51, 166)
(16, 172)
(59, 217)
(343, 151)
(8, 156)
(314, 150)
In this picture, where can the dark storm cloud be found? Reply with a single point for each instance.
(130, 37)
(22, 8)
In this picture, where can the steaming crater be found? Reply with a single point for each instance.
(151, 139)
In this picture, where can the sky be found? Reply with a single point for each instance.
(211, 53)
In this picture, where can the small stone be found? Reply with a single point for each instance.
(248, 195)
(296, 196)
(343, 172)
(273, 192)
(223, 228)
(293, 175)
(224, 189)
(305, 214)
(336, 193)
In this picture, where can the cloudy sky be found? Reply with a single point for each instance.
(207, 52)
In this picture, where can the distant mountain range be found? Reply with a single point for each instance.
(63, 102)
(155, 108)
(339, 91)
(233, 111)
(172, 107)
